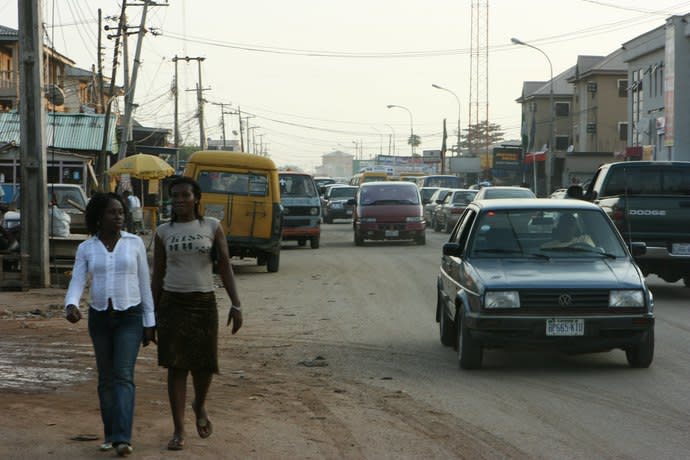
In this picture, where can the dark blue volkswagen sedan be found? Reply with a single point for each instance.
(541, 273)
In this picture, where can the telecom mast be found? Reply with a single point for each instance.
(479, 78)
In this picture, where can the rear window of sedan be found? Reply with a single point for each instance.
(463, 197)
(508, 193)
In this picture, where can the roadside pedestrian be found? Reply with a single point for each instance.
(136, 215)
(186, 310)
(121, 313)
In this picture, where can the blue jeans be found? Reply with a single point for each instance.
(116, 337)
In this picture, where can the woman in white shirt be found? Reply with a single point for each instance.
(121, 313)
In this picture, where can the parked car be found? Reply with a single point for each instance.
(335, 202)
(493, 192)
(504, 283)
(434, 202)
(388, 211)
(69, 198)
(451, 208)
(649, 202)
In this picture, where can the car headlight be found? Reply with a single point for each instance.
(367, 220)
(414, 219)
(626, 298)
(501, 299)
(314, 211)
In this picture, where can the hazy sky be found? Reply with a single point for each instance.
(318, 74)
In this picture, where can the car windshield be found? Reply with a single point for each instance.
(388, 194)
(545, 234)
(297, 185)
(343, 192)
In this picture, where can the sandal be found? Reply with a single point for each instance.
(204, 427)
(176, 443)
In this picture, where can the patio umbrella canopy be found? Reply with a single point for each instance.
(142, 166)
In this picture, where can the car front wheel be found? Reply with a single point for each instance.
(469, 350)
(642, 354)
(359, 241)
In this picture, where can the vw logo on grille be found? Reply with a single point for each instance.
(564, 300)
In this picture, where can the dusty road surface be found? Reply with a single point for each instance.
(339, 358)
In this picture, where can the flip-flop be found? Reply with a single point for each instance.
(176, 443)
(204, 427)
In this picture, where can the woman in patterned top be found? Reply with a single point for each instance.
(183, 292)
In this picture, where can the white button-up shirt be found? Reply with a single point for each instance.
(121, 275)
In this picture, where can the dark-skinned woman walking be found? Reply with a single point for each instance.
(121, 313)
(186, 311)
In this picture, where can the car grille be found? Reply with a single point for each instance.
(298, 210)
(296, 222)
(568, 301)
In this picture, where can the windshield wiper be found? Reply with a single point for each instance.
(579, 249)
(499, 251)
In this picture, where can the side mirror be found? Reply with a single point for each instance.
(452, 249)
(638, 248)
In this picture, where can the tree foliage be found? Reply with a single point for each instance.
(414, 140)
(478, 137)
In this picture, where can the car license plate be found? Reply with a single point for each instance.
(682, 249)
(391, 233)
(565, 327)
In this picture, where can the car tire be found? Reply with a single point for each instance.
(686, 280)
(469, 350)
(445, 327)
(273, 262)
(328, 219)
(302, 242)
(420, 239)
(642, 354)
(437, 225)
(315, 242)
(261, 261)
(359, 241)
(447, 228)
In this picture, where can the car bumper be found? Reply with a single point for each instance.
(600, 332)
(339, 213)
(385, 231)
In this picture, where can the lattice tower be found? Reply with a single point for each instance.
(479, 69)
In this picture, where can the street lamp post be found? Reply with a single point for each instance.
(552, 146)
(412, 138)
(457, 99)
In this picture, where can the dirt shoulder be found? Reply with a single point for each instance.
(273, 399)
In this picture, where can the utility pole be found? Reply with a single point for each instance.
(200, 101)
(32, 144)
(99, 57)
(132, 84)
(101, 159)
(176, 123)
(247, 128)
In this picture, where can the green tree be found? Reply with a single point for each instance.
(414, 140)
(478, 137)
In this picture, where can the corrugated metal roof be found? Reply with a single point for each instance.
(68, 131)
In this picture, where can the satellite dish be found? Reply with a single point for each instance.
(55, 95)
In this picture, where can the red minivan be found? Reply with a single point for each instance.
(389, 210)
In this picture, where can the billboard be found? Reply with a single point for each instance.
(465, 164)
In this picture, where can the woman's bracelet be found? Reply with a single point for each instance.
(235, 307)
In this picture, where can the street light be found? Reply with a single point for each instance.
(457, 99)
(547, 162)
(412, 138)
